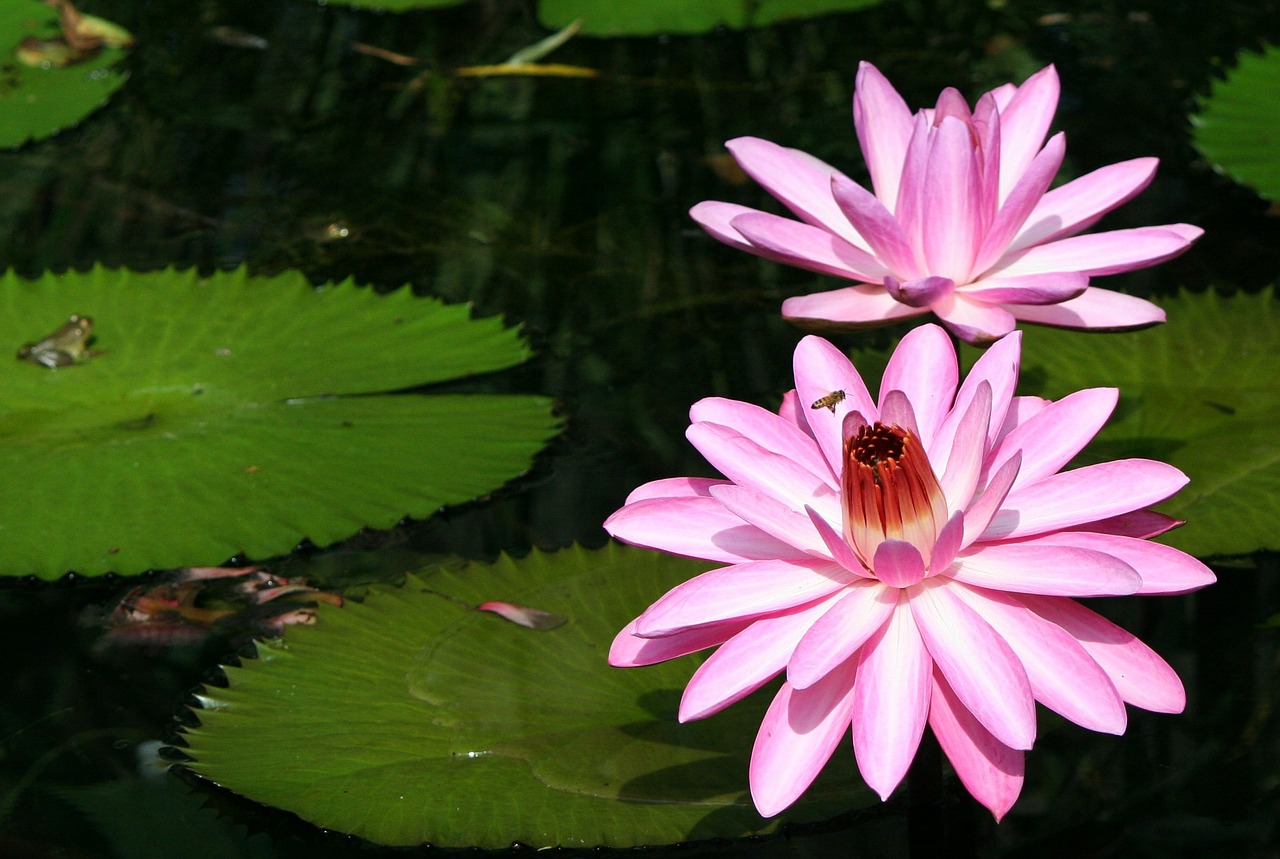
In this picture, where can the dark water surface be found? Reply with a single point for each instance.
(561, 204)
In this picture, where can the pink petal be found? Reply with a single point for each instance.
(898, 564)
(1141, 677)
(1037, 568)
(748, 464)
(717, 219)
(1077, 205)
(821, 369)
(877, 226)
(924, 368)
(1021, 201)
(674, 487)
(695, 528)
(986, 125)
(839, 550)
(998, 367)
(808, 247)
(1163, 569)
(863, 608)
(791, 410)
(952, 225)
(895, 409)
(980, 666)
(1140, 523)
(890, 700)
(800, 181)
(923, 292)
(631, 651)
(1024, 121)
(1083, 495)
(741, 592)
(1063, 676)
(973, 321)
(1057, 433)
(1021, 410)
(1096, 309)
(1029, 289)
(849, 308)
(912, 188)
(1097, 254)
(987, 768)
(980, 513)
(883, 123)
(964, 463)
(523, 615)
(766, 429)
(747, 661)
(949, 542)
(799, 732)
(791, 527)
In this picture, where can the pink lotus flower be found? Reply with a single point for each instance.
(908, 561)
(961, 222)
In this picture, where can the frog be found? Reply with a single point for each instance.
(66, 346)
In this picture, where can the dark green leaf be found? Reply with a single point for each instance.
(1238, 126)
(414, 718)
(231, 414)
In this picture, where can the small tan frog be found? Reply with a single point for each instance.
(65, 346)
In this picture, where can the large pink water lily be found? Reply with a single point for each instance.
(961, 222)
(908, 561)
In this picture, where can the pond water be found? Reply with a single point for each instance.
(561, 204)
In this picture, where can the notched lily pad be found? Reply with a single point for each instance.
(205, 417)
(415, 718)
(1201, 392)
(52, 74)
(1238, 126)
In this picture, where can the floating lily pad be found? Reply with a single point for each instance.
(228, 414)
(1238, 126)
(414, 718)
(1201, 392)
(34, 101)
(653, 17)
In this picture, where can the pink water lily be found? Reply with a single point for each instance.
(907, 561)
(961, 222)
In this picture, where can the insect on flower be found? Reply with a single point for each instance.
(829, 402)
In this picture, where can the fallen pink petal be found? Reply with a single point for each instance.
(959, 221)
(904, 562)
(523, 615)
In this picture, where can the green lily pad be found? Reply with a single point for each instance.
(37, 102)
(654, 17)
(1201, 392)
(414, 718)
(1238, 126)
(233, 414)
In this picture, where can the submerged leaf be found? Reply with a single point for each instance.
(216, 416)
(413, 718)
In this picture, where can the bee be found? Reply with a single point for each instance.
(829, 401)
